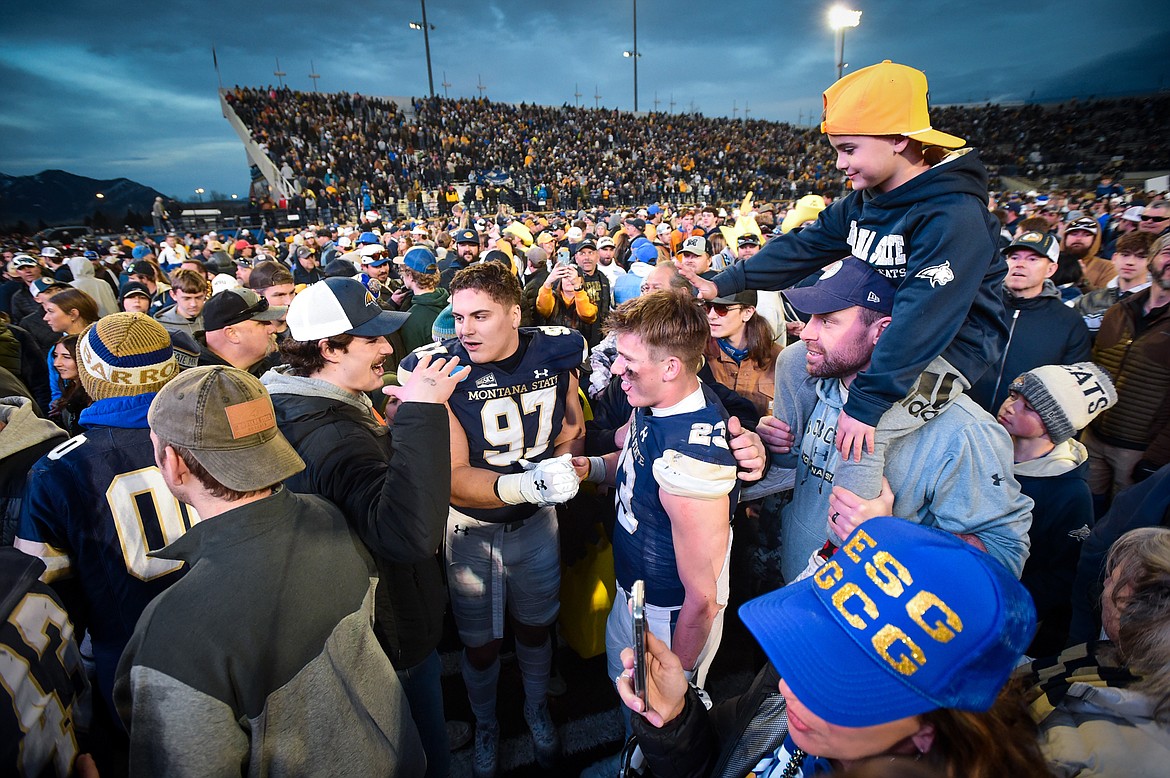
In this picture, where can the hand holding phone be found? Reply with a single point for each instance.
(638, 598)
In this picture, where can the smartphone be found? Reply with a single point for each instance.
(638, 598)
(562, 256)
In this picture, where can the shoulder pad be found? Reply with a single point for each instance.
(560, 347)
(684, 476)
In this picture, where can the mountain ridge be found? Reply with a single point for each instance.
(58, 197)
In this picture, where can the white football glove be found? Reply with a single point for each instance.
(543, 483)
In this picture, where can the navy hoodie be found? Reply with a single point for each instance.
(935, 239)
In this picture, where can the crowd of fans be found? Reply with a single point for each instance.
(180, 411)
(342, 148)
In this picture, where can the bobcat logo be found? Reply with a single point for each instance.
(938, 275)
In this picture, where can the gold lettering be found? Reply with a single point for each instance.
(922, 602)
(97, 368)
(892, 574)
(842, 595)
(827, 575)
(148, 375)
(905, 664)
(857, 544)
(120, 376)
(169, 369)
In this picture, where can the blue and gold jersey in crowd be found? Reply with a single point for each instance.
(683, 451)
(96, 507)
(41, 675)
(509, 415)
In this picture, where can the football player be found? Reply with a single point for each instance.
(516, 420)
(676, 483)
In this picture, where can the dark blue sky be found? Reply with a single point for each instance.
(128, 88)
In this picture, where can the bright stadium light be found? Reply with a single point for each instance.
(840, 18)
(101, 196)
(426, 31)
(634, 54)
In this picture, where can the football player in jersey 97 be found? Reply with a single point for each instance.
(676, 483)
(516, 420)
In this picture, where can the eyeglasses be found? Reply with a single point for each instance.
(1148, 218)
(720, 309)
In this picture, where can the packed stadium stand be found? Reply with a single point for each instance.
(372, 151)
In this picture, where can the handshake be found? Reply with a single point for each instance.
(549, 482)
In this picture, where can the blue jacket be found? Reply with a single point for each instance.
(934, 238)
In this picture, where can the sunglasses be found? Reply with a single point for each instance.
(260, 306)
(1148, 218)
(721, 309)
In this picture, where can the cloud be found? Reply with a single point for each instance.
(129, 89)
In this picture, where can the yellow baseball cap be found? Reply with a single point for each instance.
(883, 99)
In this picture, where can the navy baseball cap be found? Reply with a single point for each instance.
(902, 620)
(47, 282)
(419, 259)
(467, 236)
(339, 306)
(844, 284)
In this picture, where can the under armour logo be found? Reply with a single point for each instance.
(872, 298)
(463, 530)
(540, 485)
(540, 374)
(997, 479)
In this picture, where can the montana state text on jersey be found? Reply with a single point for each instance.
(686, 454)
(511, 415)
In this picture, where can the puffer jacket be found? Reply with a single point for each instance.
(1137, 355)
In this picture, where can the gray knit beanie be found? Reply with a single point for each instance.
(1066, 397)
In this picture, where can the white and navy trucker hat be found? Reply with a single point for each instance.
(339, 306)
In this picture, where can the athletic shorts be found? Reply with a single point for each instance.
(493, 566)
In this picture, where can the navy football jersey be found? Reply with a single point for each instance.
(684, 453)
(41, 675)
(96, 506)
(509, 416)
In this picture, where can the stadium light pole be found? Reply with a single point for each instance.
(634, 54)
(840, 18)
(426, 30)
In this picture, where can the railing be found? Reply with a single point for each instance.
(276, 183)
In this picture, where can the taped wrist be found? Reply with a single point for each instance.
(596, 470)
(508, 488)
